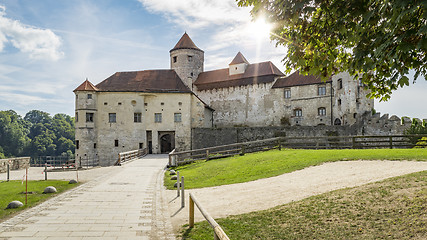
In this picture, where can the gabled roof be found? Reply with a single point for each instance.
(239, 58)
(144, 81)
(185, 43)
(86, 86)
(296, 79)
(255, 73)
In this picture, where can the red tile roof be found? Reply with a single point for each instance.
(86, 86)
(296, 79)
(144, 81)
(239, 58)
(255, 73)
(185, 43)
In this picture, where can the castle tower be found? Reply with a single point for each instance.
(187, 60)
(85, 122)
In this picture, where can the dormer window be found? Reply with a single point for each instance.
(190, 58)
(89, 96)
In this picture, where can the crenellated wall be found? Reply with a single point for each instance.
(15, 163)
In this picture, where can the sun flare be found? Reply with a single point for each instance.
(260, 28)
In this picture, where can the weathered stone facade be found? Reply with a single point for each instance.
(14, 163)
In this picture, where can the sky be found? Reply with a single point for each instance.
(49, 47)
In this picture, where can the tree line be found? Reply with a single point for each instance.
(36, 134)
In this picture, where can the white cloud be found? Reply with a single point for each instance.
(38, 43)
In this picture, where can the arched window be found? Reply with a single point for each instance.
(340, 83)
(337, 121)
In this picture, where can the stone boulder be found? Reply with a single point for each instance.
(176, 185)
(49, 189)
(72, 181)
(14, 204)
(174, 177)
(172, 172)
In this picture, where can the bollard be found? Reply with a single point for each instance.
(45, 171)
(191, 212)
(8, 172)
(182, 193)
(177, 183)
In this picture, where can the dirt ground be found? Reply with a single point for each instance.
(266, 193)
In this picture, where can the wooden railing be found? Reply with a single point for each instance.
(126, 156)
(219, 234)
(329, 142)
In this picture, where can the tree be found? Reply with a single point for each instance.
(378, 41)
(13, 134)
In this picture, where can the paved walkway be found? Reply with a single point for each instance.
(123, 203)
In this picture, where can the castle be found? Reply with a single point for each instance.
(159, 109)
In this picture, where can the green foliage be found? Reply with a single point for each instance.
(377, 40)
(422, 143)
(12, 190)
(392, 209)
(259, 165)
(37, 134)
(416, 128)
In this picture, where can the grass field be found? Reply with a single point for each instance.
(391, 209)
(15, 190)
(259, 165)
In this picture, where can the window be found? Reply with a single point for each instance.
(354, 115)
(177, 117)
(179, 103)
(89, 117)
(287, 93)
(116, 143)
(340, 83)
(321, 111)
(89, 96)
(298, 113)
(77, 144)
(141, 145)
(112, 117)
(120, 103)
(339, 102)
(137, 117)
(77, 116)
(190, 58)
(158, 117)
(174, 59)
(94, 145)
(321, 90)
(105, 103)
(145, 104)
(162, 103)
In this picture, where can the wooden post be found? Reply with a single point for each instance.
(8, 172)
(45, 171)
(354, 142)
(182, 193)
(280, 144)
(191, 219)
(177, 183)
(243, 150)
(391, 142)
(207, 155)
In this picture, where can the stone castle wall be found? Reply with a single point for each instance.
(15, 163)
(370, 125)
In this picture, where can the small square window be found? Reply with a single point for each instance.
(158, 117)
(321, 90)
(89, 117)
(89, 96)
(112, 117)
(177, 117)
(116, 143)
(179, 103)
(137, 117)
(105, 103)
(145, 104)
(298, 113)
(162, 103)
(190, 58)
(120, 103)
(321, 111)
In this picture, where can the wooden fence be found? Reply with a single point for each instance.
(330, 142)
(126, 156)
(219, 234)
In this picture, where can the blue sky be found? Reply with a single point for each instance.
(49, 47)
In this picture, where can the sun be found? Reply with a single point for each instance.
(260, 28)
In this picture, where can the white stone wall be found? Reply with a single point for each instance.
(252, 105)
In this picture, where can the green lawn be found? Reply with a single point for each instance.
(14, 190)
(259, 165)
(391, 209)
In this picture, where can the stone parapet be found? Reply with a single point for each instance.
(15, 163)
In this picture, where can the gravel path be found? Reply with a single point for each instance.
(266, 193)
